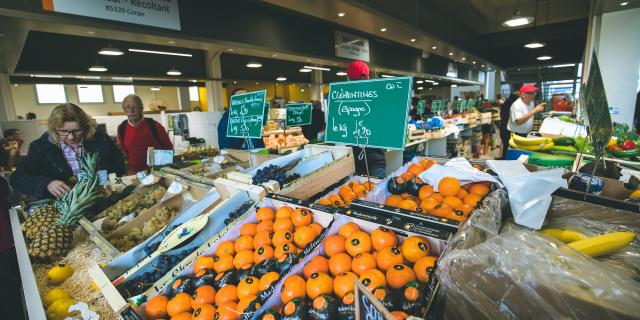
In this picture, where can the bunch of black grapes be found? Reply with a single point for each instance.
(275, 173)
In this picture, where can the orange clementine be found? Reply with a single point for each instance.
(428, 205)
(373, 278)
(368, 185)
(347, 229)
(407, 176)
(399, 275)
(415, 247)
(182, 316)
(243, 259)
(267, 279)
(405, 196)
(181, 302)
(425, 192)
(203, 263)
(227, 311)
(249, 229)
(281, 237)
(222, 263)
(393, 200)
(453, 202)
(382, 237)
(358, 242)
(225, 247)
(449, 186)
(352, 183)
(319, 283)
(317, 228)
(343, 283)
(437, 197)
(339, 263)
(263, 238)
(325, 202)
(399, 315)
(348, 197)
(284, 212)
(283, 224)
(360, 191)
(415, 169)
(423, 267)
(472, 199)
(248, 286)
(362, 263)
(204, 312)
(203, 295)
(243, 243)
(408, 205)
(336, 201)
(262, 253)
(479, 189)
(286, 248)
(301, 217)
(293, 287)
(316, 264)
(264, 213)
(156, 307)
(442, 210)
(265, 225)
(389, 257)
(334, 244)
(244, 303)
(228, 293)
(462, 193)
(463, 212)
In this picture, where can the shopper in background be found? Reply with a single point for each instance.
(225, 142)
(505, 114)
(522, 111)
(138, 133)
(52, 164)
(31, 116)
(317, 125)
(359, 70)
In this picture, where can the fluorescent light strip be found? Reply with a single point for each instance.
(317, 68)
(387, 76)
(46, 76)
(162, 52)
(341, 73)
(429, 81)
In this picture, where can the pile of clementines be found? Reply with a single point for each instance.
(452, 201)
(396, 273)
(226, 284)
(351, 190)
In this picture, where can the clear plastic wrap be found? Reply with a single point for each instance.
(521, 274)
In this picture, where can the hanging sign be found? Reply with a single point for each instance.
(597, 108)
(351, 46)
(421, 106)
(298, 114)
(246, 114)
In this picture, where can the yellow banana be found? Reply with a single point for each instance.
(565, 236)
(604, 244)
(522, 141)
(512, 143)
(535, 148)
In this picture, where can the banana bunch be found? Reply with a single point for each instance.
(530, 144)
(597, 246)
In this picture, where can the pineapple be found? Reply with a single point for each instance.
(53, 239)
(41, 217)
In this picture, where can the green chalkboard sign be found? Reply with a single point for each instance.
(246, 114)
(369, 112)
(421, 105)
(597, 108)
(298, 114)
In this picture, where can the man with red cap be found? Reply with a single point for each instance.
(359, 70)
(522, 111)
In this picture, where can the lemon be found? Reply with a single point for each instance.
(59, 309)
(55, 295)
(59, 273)
(635, 194)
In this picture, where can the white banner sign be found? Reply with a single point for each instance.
(156, 13)
(352, 46)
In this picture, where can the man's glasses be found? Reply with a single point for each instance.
(64, 133)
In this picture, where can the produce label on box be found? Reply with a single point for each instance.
(246, 114)
(367, 306)
(298, 114)
(369, 112)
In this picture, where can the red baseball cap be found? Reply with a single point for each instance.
(528, 88)
(358, 70)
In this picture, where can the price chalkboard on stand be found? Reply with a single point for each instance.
(597, 109)
(246, 114)
(421, 106)
(367, 306)
(298, 114)
(369, 113)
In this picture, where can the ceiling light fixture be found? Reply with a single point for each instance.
(534, 45)
(387, 76)
(305, 70)
(230, 49)
(420, 88)
(463, 58)
(254, 64)
(450, 53)
(171, 42)
(341, 14)
(454, 85)
(317, 68)
(517, 20)
(301, 90)
(281, 79)
(122, 78)
(174, 72)
(434, 47)
(98, 68)
(154, 88)
(109, 51)
(162, 52)
(383, 29)
(419, 81)
(341, 73)
(429, 81)
(474, 62)
(413, 40)
(624, 3)
(563, 65)
(435, 83)
(482, 65)
(46, 76)
(544, 57)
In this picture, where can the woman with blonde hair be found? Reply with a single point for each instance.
(52, 163)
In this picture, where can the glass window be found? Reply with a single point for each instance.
(51, 93)
(90, 93)
(194, 95)
(121, 91)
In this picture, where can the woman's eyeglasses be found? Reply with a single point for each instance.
(64, 133)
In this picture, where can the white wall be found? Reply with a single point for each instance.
(25, 100)
(619, 59)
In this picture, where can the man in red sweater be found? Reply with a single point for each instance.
(137, 133)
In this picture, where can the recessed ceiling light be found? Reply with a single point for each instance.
(171, 42)
(517, 20)
(162, 52)
(413, 39)
(624, 3)
(544, 57)
(420, 88)
(281, 79)
(435, 83)
(463, 58)
(454, 85)
(230, 49)
(174, 72)
(317, 68)
(383, 29)
(193, 80)
(98, 68)
(341, 73)
(534, 45)
(482, 65)
(235, 82)
(419, 81)
(434, 47)
(257, 82)
(254, 64)
(109, 51)
(155, 89)
(305, 70)
(450, 53)
(274, 55)
(474, 62)
(301, 90)
(90, 32)
(341, 14)
(15, 84)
